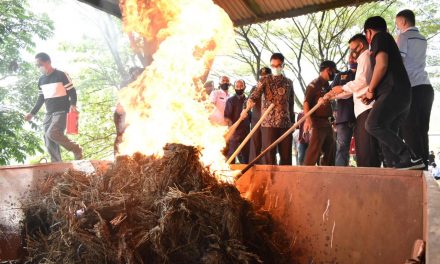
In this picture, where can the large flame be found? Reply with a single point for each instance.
(165, 104)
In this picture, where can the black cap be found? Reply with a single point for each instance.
(327, 64)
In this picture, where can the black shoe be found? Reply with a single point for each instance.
(412, 164)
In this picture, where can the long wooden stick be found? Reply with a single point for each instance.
(246, 139)
(281, 138)
(234, 127)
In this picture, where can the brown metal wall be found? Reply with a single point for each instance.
(373, 215)
(15, 183)
(341, 215)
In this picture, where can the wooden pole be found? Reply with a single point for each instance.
(255, 128)
(283, 136)
(234, 127)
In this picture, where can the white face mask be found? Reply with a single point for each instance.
(42, 70)
(277, 71)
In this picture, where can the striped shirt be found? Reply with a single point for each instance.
(412, 46)
(56, 91)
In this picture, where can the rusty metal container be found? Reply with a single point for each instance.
(330, 214)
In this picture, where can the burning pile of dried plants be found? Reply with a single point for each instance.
(147, 210)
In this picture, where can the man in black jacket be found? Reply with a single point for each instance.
(391, 89)
(344, 119)
(233, 109)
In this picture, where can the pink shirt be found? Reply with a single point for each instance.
(218, 98)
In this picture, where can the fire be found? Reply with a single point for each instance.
(165, 104)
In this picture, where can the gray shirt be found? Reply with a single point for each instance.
(412, 46)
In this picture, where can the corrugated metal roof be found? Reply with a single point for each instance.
(244, 12)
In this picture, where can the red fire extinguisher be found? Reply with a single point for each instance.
(72, 123)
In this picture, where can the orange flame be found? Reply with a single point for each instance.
(165, 104)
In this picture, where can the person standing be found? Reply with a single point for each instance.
(431, 158)
(412, 46)
(322, 138)
(391, 89)
(219, 98)
(367, 149)
(255, 146)
(303, 140)
(277, 89)
(119, 113)
(57, 93)
(344, 117)
(233, 109)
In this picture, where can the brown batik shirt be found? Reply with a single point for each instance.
(279, 91)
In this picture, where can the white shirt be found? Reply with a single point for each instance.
(218, 98)
(412, 46)
(359, 85)
(435, 172)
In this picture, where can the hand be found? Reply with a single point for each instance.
(367, 97)
(28, 117)
(73, 108)
(244, 114)
(249, 104)
(327, 97)
(337, 89)
(307, 125)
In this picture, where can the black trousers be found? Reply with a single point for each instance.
(367, 147)
(322, 141)
(255, 145)
(383, 123)
(269, 135)
(415, 128)
(243, 156)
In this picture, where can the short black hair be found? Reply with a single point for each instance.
(408, 15)
(43, 57)
(265, 70)
(375, 23)
(360, 38)
(277, 56)
(327, 64)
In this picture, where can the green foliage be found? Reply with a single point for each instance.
(18, 91)
(96, 83)
(18, 28)
(16, 143)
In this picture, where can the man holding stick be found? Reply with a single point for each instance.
(233, 109)
(322, 139)
(277, 89)
(367, 151)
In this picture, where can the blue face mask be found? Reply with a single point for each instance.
(353, 66)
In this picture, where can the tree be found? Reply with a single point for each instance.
(305, 41)
(16, 143)
(18, 29)
(107, 58)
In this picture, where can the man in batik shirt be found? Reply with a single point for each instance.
(277, 89)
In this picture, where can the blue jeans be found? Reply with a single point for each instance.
(302, 147)
(344, 132)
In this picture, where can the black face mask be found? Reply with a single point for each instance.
(224, 86)
(239, 92)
